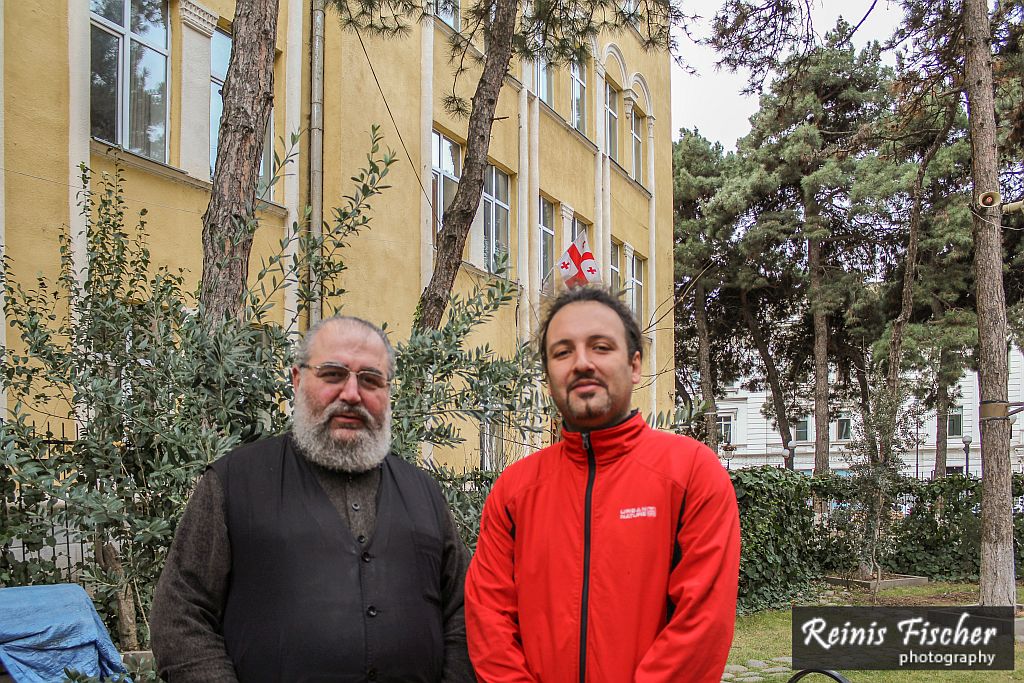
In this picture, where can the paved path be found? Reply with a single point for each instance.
(776, 668)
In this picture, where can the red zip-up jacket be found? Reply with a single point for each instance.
(611, 556)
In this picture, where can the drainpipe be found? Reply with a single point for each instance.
(316, 150)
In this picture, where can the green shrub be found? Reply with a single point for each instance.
(776, 528)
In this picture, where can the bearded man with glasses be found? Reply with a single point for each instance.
(316, 555)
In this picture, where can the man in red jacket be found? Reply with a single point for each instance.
(613, 555)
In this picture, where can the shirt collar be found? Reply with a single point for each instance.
(608, 444)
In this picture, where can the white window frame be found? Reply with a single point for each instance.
(843, 417)
(611, 108)
(493, 207)
(547, 239)
(635, 286)
(806, 422)
(578, 225)
(615, 273)
(439, 173)
(126, 37)
(724, 425)
(448, 11)
(578, 92)
(263, 187)
(543, 76)
(636, 132)
(955, 417)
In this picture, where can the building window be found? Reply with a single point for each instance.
(544, 84)
(802, 430)
(496, 218)
(128, 84)
(955, 422)
(448, 11)
(220, 55)
(446, 168)
(844, 428)
(636, 127)
(578, 117)
(611, 133)
(614, 258)
(724, 424)
(635, 287)
(577, 227)
(547, 245)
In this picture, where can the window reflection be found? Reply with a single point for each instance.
(103, 85)
(148, 113)
(149, 20)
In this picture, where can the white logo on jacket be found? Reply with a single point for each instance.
(633, 513)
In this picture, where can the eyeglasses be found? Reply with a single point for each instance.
(335, 373)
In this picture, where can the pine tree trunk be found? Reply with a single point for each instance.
(458, 219)
(941, 423)
(997, 570)
(229, 221)
(707, 388)
(856, 357)
(814, 264)
(772, 373)
(941, 401)
(910, 275)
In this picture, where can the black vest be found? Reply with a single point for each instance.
(306, 601)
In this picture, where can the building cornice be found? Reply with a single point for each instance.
(198, 17)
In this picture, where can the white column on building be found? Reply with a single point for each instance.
(79, 131)
(523, 212)
(625, 121)
(652, 257)
(426, 128)
(604, 239)
(198, 26)
(292, 124)
(534, 199)
(600, 163)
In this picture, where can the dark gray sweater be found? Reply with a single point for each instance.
(189, 600)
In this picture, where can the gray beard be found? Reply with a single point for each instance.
(313, 436)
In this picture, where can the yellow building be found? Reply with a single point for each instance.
(580, 148)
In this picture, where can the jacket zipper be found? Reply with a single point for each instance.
(587, 503)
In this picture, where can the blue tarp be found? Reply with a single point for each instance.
(46, 629)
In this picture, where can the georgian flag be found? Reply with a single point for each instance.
(577, 264)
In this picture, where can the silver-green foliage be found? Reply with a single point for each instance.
(121, 354)
(156, 395)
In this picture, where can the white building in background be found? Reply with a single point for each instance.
(753, 440)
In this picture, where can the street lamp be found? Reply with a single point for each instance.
(791, 447)
(967, 454)
(728, 449)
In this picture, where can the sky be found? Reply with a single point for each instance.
(710, 99)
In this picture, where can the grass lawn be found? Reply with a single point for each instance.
(764, 635)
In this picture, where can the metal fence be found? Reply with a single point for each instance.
(55, 551)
